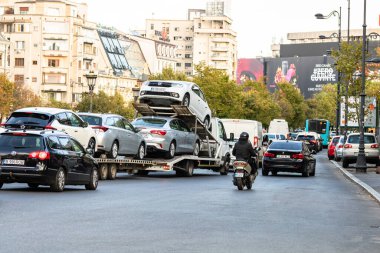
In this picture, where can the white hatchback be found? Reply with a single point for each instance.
(166, 93)
(56, 119)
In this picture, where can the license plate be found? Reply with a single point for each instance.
(13, 162)
(283, 156)
(239, 174)
(158, 89)
(357, 153)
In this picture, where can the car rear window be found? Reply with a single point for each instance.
(92, 120)
(20, 142)
(149, 122)
(305, 138)
(286, 145)
(29, 120)
(354, 139)
(335, 140)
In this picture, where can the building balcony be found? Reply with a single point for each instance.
(55, 70)
(220, 49)
(55, 36)
(54, 87)
(219, 58)
(55, 53)
(215, 31)
(223, 39)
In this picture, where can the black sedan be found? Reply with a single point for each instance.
(45, 157)
(289, 156)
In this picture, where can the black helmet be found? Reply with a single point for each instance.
(244, 136)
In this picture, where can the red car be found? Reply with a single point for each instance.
(331, 147)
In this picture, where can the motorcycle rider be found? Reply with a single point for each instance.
(243, 150)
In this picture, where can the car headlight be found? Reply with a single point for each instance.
(142, 92)
(173, 94)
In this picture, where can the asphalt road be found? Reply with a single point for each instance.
(205, 213)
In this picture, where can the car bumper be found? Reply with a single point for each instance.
(27, 175)
(284, 166)
(160, 100)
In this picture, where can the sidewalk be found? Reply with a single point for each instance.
(370, 181)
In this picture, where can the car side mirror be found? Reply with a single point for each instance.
(232, 136)
(90, 151)
(84, 124)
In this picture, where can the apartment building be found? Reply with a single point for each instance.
(53, 46)
(205, 36)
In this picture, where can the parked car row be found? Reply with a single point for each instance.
(346, 149)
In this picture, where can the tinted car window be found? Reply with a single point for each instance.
(54, 143)
(153, 122)
(76, 146)
(110, 121)
(21, 142)
(183, 126)
(62, 119)
(335, 141)
(119, 123)
(174, 125)
(355, 139)
(290, 145)
(92, 120)
(66, 143)
(24, 118)
(305, 138)
(74, 119)
(128, 125)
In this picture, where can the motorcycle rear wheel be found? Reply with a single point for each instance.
(249, 183)
(239, 182)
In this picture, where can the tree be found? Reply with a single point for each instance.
(100, 103)
(24, 97)
(223, 95)
(323, 104)
(58, 104)
(292, 104)
(6, 96)
(120, 107)
(169, 74)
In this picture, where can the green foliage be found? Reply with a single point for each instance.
(6, 95)
(292, 104)
(58, 104)
(24, 97)
(323, 104)
(169, 74)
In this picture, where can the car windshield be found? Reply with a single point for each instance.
(305, 138)
(28, 119)
(271, 136)
(20, 142)
(354, 139)
(286, 145)
(149, 122)
(92, 120)
(335, 140)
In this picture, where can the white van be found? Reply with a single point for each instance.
(279, 126)
(252, 127)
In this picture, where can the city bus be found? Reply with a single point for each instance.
(321, 127)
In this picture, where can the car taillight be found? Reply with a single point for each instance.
(40, 155)
(101, 128)
(48, 126)
(2, 125)
(267, 154)
(347, 146)
(340, 146)
(297, 156)
(375, 145)
(240, 164)
(159, 132)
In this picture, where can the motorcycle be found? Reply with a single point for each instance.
(242, 175)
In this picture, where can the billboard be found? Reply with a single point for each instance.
(249, 69)
(307, 74)
(353, 111)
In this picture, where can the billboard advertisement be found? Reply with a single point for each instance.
(249, 69)
(353, 112)
(307, 74)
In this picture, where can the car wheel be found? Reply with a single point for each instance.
(59, 181)
(313, 172)
(378, 163)
(32, 185)
(345, 163)
(91, 145)
(196, 148)
(114, 150)
(103, 171)
(186, 100)
(239, 183)
(264, 172)
(171, 152)
(206, 122)
(306, 172)
(140, 152)
(112, 171)
(330, 157)
(94, 178)
(225, 167)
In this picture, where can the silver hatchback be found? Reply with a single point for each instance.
(351, 149)
(115, 135)
(170, 135)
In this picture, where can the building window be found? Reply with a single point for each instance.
(199, 25)
(176, 29)
(189, 47)
(19, 79)
(178, 55)
(34, 79)
(151, 26)
(87, 47)
(79, 64)
(53, 63)
(79, 79)
(1, 60)
(9, 28)
(34, 62)
(187, 65)
(54, 78)
(24, 10)
(178, 64)
(19, 62)
(94, 50)
(188, 73)
(189, 38)
(87, 64)
(52, 11)
(20, 45)
(188, 55)
(19, 28)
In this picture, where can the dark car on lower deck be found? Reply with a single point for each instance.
(288, 156)
(45, 157)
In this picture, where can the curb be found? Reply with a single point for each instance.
(374, 194)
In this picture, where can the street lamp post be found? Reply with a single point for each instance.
(321, 16)
(361, 165)
(91, 81)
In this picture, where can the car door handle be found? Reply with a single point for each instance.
(76, 131)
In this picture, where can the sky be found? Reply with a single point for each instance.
(258, 23)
